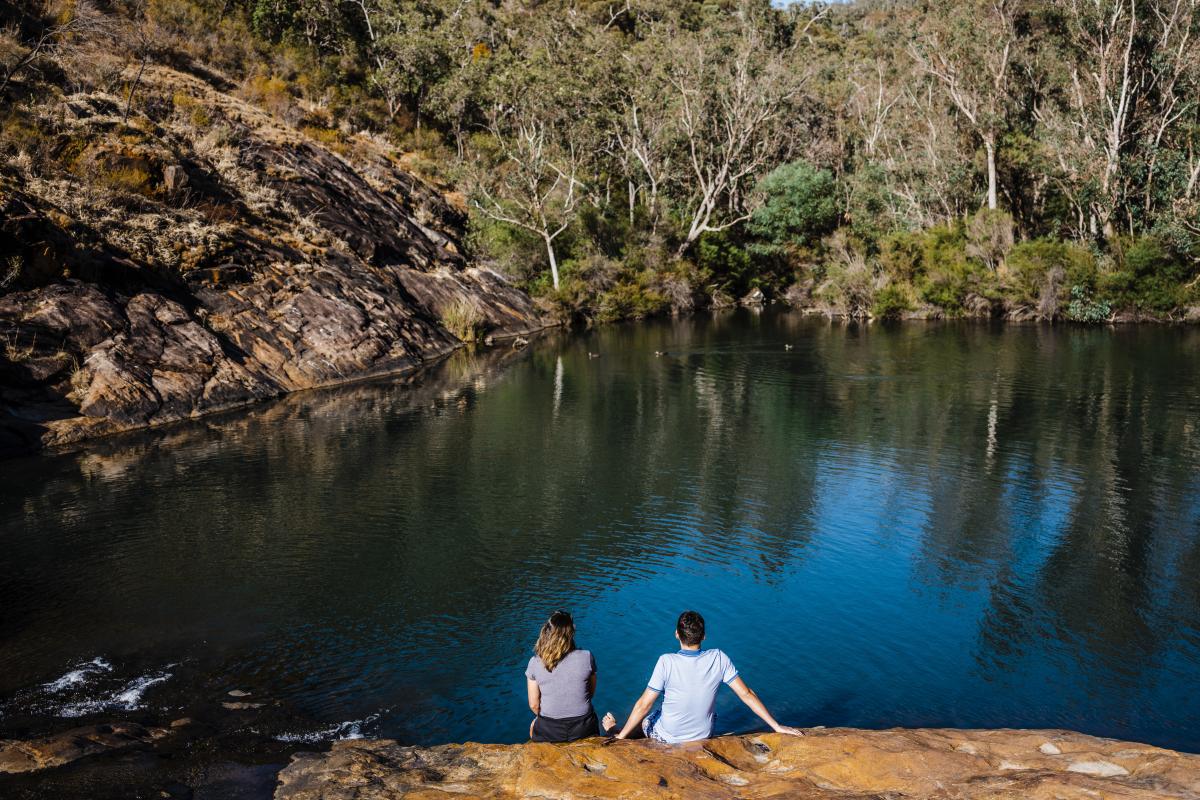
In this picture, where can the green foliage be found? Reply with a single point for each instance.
(1085, 308)
(947, 274)
(877, 145)
(902, 255)
(727, 263)
(849, 283)
(892, 301)
(271, 19)
(799, 207)
(868, 206)
(629, 301)
(1030, 263)
(1149, 277)
(990, 236)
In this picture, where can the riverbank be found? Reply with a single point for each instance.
(825, 763)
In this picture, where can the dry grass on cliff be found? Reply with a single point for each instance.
(465, 320)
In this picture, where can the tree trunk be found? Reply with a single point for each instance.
(989, 144)
(1191, 186)
(553, 262)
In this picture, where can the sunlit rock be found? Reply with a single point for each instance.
(835, 763)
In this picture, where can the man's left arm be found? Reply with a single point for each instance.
(747, 696)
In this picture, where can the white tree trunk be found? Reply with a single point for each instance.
(1191, 186)
(553, 261)
(989, 144)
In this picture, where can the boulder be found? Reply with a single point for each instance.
(834, 763)
(754, 297)
(63, 748)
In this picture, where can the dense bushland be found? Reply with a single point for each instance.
(1031, 158)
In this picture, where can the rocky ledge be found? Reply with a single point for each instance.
(34, 755)
(835, 763)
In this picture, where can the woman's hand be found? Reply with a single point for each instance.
(788, 730)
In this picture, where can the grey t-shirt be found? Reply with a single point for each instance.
(565, 690)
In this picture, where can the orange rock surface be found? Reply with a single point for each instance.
(834, 763)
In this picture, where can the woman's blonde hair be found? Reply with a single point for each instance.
(556, 639)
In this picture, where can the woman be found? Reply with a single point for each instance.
(561, 682)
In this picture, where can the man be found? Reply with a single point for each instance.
(690, 679)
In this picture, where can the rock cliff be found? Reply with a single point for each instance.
(839, 763)
(207, 256)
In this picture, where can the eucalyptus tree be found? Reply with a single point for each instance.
(643, 133)
(1101, 79)
(1174, 82)
(731, 90)
(971, 49)
(533, 179)
(411, 50)
(536, 165)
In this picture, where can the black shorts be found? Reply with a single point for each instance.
(548, 729)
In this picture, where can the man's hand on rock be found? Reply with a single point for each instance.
(785, 729)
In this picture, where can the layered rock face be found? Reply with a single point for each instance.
(835, 763)
(220, 265)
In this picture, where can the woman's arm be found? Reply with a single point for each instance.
(535, 696)
(640, 709)
(747, 696)
(591, 686)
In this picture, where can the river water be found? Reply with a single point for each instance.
(919, 525)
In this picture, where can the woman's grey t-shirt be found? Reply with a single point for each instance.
(565, 690)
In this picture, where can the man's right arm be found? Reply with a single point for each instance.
(640, 709)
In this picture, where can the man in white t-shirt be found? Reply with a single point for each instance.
(688, 681)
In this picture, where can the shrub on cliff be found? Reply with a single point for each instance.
(629, 301)
(947, 274)
(1031, 264)
(1085, 308)
(892, 301)
(1149, 276)
(849, 282)
(799, 206)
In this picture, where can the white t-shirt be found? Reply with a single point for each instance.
(689, 680)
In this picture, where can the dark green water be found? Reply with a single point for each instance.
(961, 525)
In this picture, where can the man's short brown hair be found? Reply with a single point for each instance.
(690, 628)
